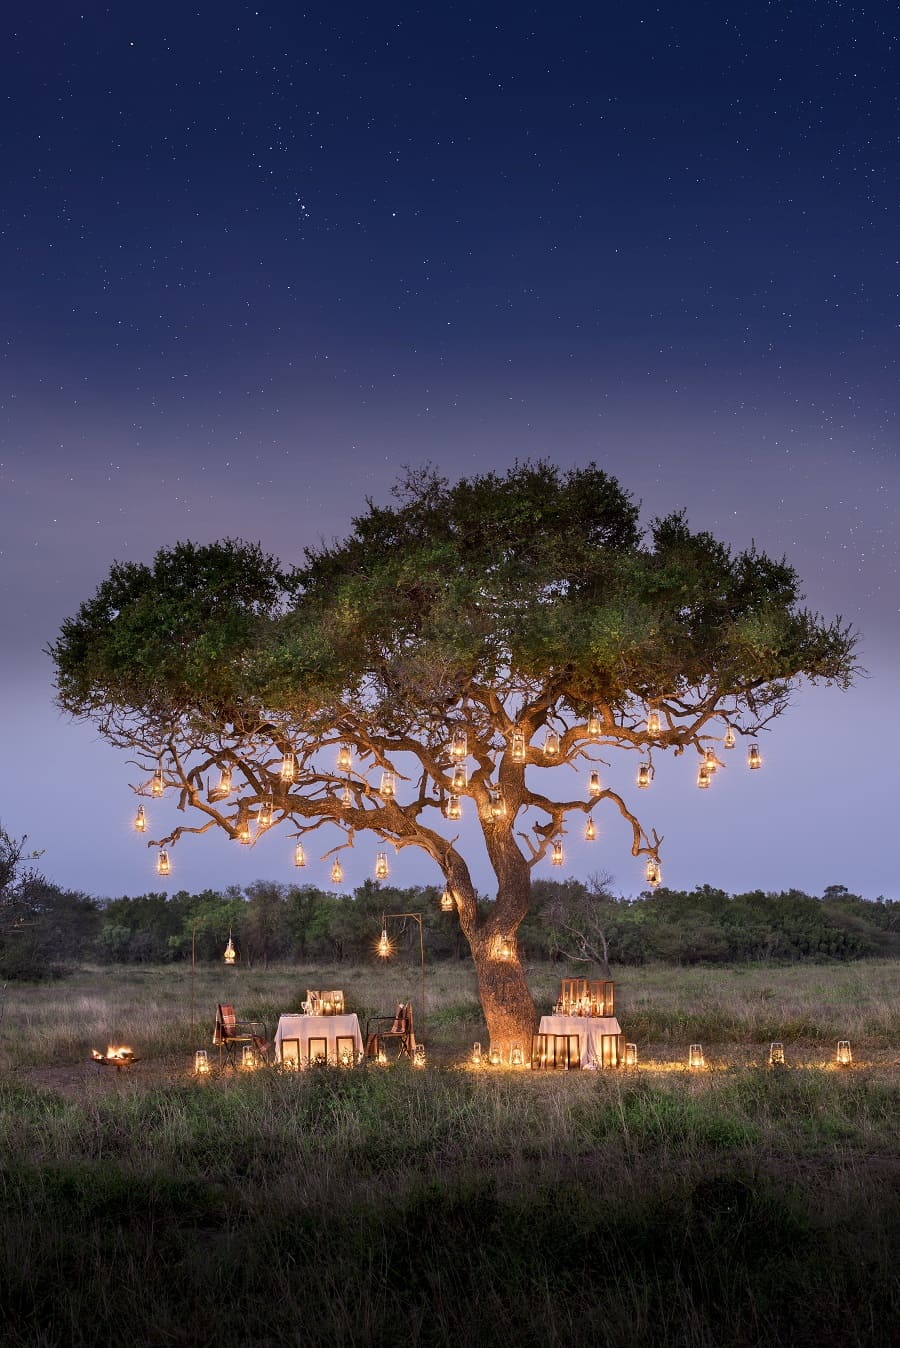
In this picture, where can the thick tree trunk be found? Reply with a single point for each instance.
(508, 1006)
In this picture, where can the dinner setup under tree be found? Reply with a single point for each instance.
(422, 682)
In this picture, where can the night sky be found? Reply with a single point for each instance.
(253, 261)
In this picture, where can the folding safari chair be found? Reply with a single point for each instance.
(398, 1029)
(230, 1033)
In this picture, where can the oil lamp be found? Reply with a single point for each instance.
(729, 739)
(518, 747)
(230, 954)
(844, 1058)
(344, 758)
(595, 786)
(347, 797)
(703, 776)
(163, 866)
(594, 726)
(551, 745)
(299, 856)
(496, 806)
(712, 763)
(695, 1056)
(516, 1056)
(556, 858)
(653, 726)
(384, 944)
(454, 808)
(157, 786)
(631, 1055)
(590, 831)
(337, 872)
(459, 746)
(382, 870)
(264, 818)
(476, 1054)
(388, 788)
(776, 1054)
(653, 872)
(753, 757)
(459, 778)
(140, 820)
(447, 904)
(288, 768)
(645, 772)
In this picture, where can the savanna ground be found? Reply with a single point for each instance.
(391, 1206)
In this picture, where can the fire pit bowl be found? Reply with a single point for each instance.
(120, 1057)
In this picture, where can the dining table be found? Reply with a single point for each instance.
(297, 1031)
(598, 1037)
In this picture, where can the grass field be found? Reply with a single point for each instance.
(735, 1207)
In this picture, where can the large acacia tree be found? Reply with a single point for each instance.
(527, 611)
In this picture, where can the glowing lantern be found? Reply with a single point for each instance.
(264, 818)
(344, 758)
(729, 740)
(753, 757)
(645, 772)
(653, 873)
(382, 870)
(337, 872)
(243, 834)
(595, 786)
(712, 763)
(703, 776)
(454, 808)
(140, 820)
(516, 1056)
(459, 746)
(224, 787)
(384, 945)
(506, 948)
(163, 866)
(556, 858)
(551, 745)
(695, 1056)
(201, 1062)
(459, 779)
(447, 904)
(496, 806)
(288, 769)
(157, 786)
(653, 726)
(381, 1057)
(476, 1054)
(594, 726)
(590, 831)
(419, 1055)
(347, 797)
(299, 856)
(494, 1057)
(631, 1055)
(776, 1054)
(230, 954)
(844, 1058)
(388, 788)
(518, 747)
(248, 1057)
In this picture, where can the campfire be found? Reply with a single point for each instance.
(115, 1056)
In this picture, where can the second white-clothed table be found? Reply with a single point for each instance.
(300, 1038)
(591, 1031)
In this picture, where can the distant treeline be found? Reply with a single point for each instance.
(59, 928)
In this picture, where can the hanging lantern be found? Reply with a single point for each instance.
(594, 726)
(344, 758)
(496, 806)
(454, 808)
(516, 1056)
(224, 787)
(712, 763)
(230, 953)
(459, 746)
(645, 773)
(729, 740)
(595, 786)
(557, 855)
(243, 834)
(631, 1055)
(776, 1054)
(347, 797)
(476, 1054)
(447, 904)
(703, 776)
(590, 831)
(518, 747)
(264, 818)
(384, 945)
(388, 788)
(551, 745)
(288, 768)
(695, 1056)
(140, 820)
(506, 947)
(844, 1058)
(162, 862)
(337, 872)
(653, 725)
(299, 856)
(157, 786)
(653, 872)
(382, 870)
(460, 781)
(753, 757)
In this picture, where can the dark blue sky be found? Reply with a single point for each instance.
(253, 261)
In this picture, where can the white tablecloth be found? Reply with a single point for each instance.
(589, 1028)
(304, 1028)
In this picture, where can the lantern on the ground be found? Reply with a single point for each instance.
(459, 781)
(388, 788)
(517, 749)
(248, 1057)
(299, 856)
(495, 1057)
(382, 870)
(264, 818)
(347, 797)
(653, 726)
(201, 1062)
(556, 856)
(157, 786)
(454, 808)
(288, 768)
(459, 746)
(844, 1058)
(729, 740)
(419, 1055)
(595, 786)
(516, 1056)
(447, 904)
(695, 1056)
(776, 1054)
(594, 726)
(631, 1055)
(590, 831)
(754, 759)
(140, 820)
(653, 872)
(551, 745)
(703, 776)
(163, 866)
(476, 1054)
(344, 758)
(384, 944)
(337, 872)
(230, 954)
(645, 772)
(496, 806)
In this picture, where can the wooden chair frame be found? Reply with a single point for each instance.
(230, 1033)
(400, 1030)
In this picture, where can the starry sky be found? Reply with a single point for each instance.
(254, 259)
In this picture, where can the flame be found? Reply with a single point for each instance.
(114, 1053)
